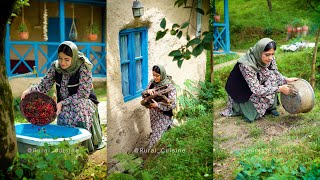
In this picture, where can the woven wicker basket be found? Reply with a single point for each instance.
(38, 108)
(302, 102)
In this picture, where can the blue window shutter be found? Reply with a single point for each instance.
(134, 62)
(124, 64)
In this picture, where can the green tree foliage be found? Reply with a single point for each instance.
(193, 47)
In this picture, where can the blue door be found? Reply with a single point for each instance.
(54, 36)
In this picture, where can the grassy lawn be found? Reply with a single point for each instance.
(284, 147)
(184, 152)
(193, 161)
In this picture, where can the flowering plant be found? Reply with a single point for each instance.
(38, 108)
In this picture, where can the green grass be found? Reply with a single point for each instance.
(254, 131)
(299, 146)
(225, 58)
(251, 20)
(195, 139)
(101, 94)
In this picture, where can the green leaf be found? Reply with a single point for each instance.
(302, 168)
(180, 61)
(175, 53)
(180, 2)
(205, 33)
(161, 34)
(49, 176)
(240, 176)
(208, 38)
(25, 166)
(42, 165)
(207, 46)
(193, 41)
(185, 24)
(257, 172)
(199, 10)
(187, 55)
(179, 34)
(19, 173)
(163, 23)
(197, 50)
(173, 32)
(68, 165)
(188, 37)
(175, 25)
(176, 58)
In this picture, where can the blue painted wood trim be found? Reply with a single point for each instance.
(62, 20)
(145, 59)
(36, 47)
(133, 93)
(226, 19)
(36, 57)
(7, 50)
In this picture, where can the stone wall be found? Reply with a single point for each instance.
(128, 122)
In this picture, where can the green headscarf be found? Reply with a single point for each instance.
(77, 59)
(253, 56)
(164, 79)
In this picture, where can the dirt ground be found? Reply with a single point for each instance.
(235, 132)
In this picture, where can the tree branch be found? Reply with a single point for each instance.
(309, 2)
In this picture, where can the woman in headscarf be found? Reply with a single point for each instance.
(77, 105)
(254, 82)
(160, 113)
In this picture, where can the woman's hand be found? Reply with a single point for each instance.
(59, 106)
(27, 91)
(154, 104)
(290, 80)
(151, 91)
(287, 90)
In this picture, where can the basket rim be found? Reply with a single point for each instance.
(46, 99)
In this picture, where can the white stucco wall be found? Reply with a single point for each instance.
(128, 122)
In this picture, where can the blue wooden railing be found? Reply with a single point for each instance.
(221, 33)
(38, 48)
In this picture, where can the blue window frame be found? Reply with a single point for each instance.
(134, 61)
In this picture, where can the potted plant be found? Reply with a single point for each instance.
(297, 25)
(93, 31)
(216, 17)
(23, 31)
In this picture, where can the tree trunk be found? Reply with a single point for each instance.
(270, 5)
(8, 142)
(211, 64)
(314, 57)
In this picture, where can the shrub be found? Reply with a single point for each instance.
(63, 161)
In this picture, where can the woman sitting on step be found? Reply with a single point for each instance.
(254, 82)
(77, 105)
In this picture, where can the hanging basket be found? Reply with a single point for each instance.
(38, 108)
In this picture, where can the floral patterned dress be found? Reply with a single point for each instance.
(160, 122)
(264, 90)
(77, 108)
